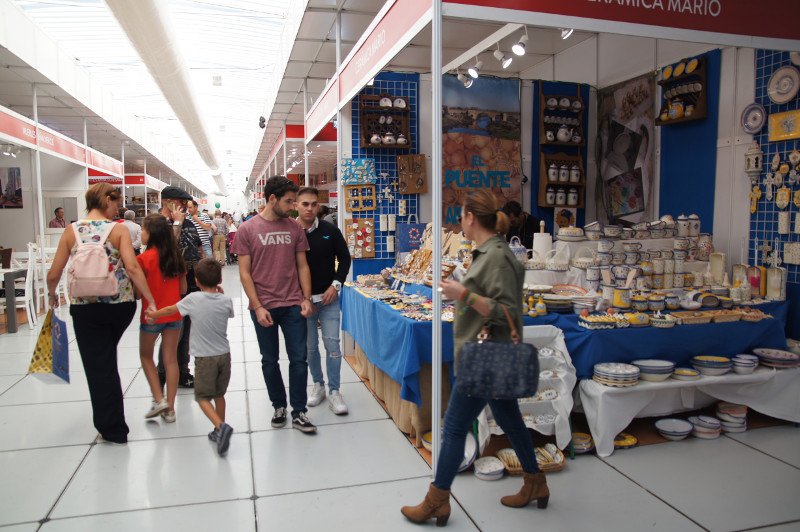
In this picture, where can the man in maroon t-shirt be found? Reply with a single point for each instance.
(276, 278)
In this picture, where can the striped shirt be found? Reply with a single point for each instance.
(205, 236)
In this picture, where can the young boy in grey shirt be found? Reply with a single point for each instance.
(210, 310)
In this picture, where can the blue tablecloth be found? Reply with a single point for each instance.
(398, 346)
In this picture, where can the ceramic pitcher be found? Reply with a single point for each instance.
(705, 247)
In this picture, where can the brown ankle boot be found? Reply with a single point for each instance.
(436, 504)
(534, 489)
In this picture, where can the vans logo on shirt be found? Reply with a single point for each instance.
(278, 237)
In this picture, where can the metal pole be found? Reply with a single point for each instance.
(305, 133)
(285, 171)
(124, 193)
(86, 147)
(436, 218)
(339, 146)
(39, 198)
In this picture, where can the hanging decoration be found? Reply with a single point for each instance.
(755, 195)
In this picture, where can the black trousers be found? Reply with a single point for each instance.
(183, 343)
(98, 328)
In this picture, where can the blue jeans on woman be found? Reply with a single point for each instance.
(328, 317)
(461, 412)
(293, 325)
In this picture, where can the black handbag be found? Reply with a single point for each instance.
(498, 370)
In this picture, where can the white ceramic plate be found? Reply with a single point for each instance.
(783, 85)
(674, 425)
(776, 354)
(753, 118)
(653, 363)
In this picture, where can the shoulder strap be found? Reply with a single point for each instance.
(106, 232)
(485, 332)
(74, 226)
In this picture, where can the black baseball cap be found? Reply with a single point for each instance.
(171, 192)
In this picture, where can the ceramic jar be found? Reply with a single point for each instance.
(680, 266)
(705, 247)
(561, 197)
(572, 197)
(563, 173)
(618, 258)
(605, 245)
(681, 243)
(593, 273)
(608, 291)
(678, 280)
(669, 279)
(518, 250)
(682, 225)
(658, 281)
(552, 172)
(620, 272)
(639, 303)
(673, 302)
(631, 258)
(647, 267)
(681, 254)
(658, 266)
(550, 196)
(669, 266)
(622, 298)
(575, 174)
(644, 282)
(694, 225)
(656, 303)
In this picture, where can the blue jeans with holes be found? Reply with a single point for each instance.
(328, 317)
(293, 326)
(461, 412)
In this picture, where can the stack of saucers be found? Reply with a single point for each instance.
(705, 427)
(582, 443)
(616, 374)
(776, 358)
(711, 365)
(489, 468)
(733, 418)
(558, 303)
(745, 364)
(674, 429)
(579, 303)
(654, 370)
(686, 374)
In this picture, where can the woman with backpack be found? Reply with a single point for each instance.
(165, 271)
(102, 302)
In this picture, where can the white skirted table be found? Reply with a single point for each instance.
(609, 410)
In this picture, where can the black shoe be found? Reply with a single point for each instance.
(186, 381)
(301, 423)
(279, 418)
(213, 435)
(224, 438)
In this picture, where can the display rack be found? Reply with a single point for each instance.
(685, 88)
(561, 158)
(379, 120)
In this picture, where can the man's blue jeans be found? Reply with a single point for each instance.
(328, 317)
(293, 325)
(461, 412)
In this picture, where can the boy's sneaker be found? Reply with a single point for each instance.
(317, 394)
(213, 435)
(279, 418)
(301, 423)
(336, 403)
(224, 438)
(157, 408)
(168, 417)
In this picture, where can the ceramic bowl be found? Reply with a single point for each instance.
(427, 441)
(691, 305)
(593, 234)
(654, 377)
(743, 370)
(674, 426)
(705, 423)
(711, 372)
(614, 231)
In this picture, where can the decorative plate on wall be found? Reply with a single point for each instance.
(753, 118)
(783, 85)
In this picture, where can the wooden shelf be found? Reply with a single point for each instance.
(567, 144)
(698, 99)
(370, 114)
(544, 182)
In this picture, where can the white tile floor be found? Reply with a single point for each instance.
(353, 475)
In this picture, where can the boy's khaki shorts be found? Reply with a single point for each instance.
(211, 376)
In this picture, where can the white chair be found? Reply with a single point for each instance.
(61, 288)
(24, 295)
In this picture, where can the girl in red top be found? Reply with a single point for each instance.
(166, 276)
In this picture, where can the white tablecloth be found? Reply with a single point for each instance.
(609, 410)
(574, 276)
(647, 244)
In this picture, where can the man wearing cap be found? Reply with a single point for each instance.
(174, 204)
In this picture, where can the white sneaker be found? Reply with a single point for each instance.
(336, 403)
(157, 408)
(317, 394)
(168, 417)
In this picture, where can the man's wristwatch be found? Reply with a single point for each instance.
(336, 285)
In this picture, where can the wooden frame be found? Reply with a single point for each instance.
(370, 115)
(359, 233)
(560, 158)
(698, 99)
(358, 198)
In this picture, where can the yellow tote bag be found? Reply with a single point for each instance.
(51, 354)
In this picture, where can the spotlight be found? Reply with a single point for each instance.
(467, 81)
(262, 122)
(519, 48)
(6, 150)
(475, 70)
(565, 33)
(504, 61)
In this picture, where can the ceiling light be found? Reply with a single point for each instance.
(475, 70)
(519, 48)
(6, 150)
(565, 33)
(504, 61)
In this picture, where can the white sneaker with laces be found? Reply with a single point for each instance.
(168, 417)
(157, 408)
(317, 394)
(336, 403)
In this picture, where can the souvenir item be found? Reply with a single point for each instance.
(550, 196)
(797, 199)
(564, 103)
(794, 157)
(388, 138)
(683, 225)
(753, 118)
(412, 176)
(694, 225)
(399, 103)
(552, 172)
(550, 136)
(572, 197)
(577, 106)
(385, 102)
(564, 134)
(561, 197)
(563, 173)
(783, 85)
(705, 246)
(782, 197)
(755, 195)
(575, 174)
(680, 68)
(783, 223)
(401, 139)
(358, 171)
(784, 126)
(552, 103)
(692, 66)
(667, 73)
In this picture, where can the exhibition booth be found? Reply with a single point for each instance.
(656, 148)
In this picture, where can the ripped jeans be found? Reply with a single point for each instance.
(328, 317)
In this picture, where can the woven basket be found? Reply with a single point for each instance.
(726, 318)
(692, 318)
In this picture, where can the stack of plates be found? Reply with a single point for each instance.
(776, 358)
(711, 365)
(582, 443)
(470, 449)
(732, 417)
(583, 302)
(489, 468)
(685, 374)
(744, 364)
(625, 441)
(673, 428)
(705, 427)
(616, 374)
(558, 303)
(654, 370)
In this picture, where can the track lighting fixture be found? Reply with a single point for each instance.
(504, 61)
(519, 48)
(475, 70)
(465, 80)
(566, 32)
(6, 150)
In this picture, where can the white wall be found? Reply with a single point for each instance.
(17, 226)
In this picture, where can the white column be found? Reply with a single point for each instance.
(339, 127)
(305, 133)
(436, 195)
(39, 199)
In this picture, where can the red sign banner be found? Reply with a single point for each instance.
(54, 142)
(295, 131)
(17, 127)
(275, 147)
(134, 179)
(323, 110)
(98, 176)
(736, 17)
(400, 24)
(103, 162)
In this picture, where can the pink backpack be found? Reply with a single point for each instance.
(90, 273)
